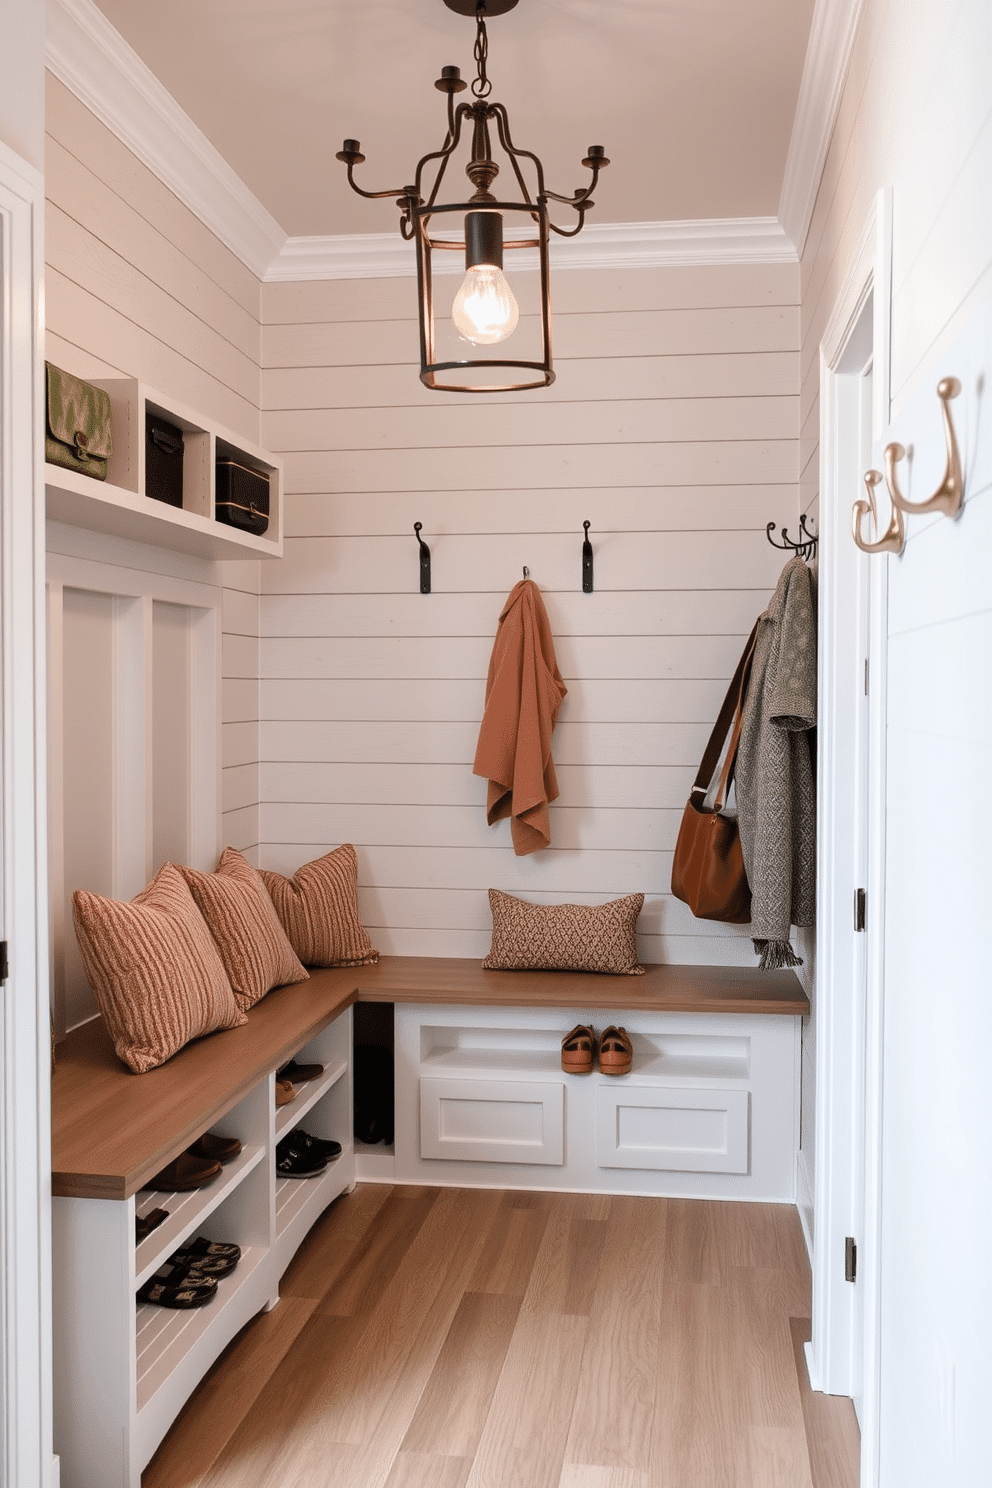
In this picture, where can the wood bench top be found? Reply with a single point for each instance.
(112, 1130)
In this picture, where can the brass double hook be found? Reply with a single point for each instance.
(946, 499)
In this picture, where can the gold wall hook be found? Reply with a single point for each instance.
(949, 494)
(894, 537)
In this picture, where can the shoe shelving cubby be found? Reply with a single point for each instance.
(124, 1368)
(710, 1108)
(119, 507)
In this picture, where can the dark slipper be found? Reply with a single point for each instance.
(185, 1173)
(206, 1254)
(145, 1223)
(301, 1072)
(215, 1148)
(185, 1294)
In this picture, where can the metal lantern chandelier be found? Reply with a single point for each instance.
(485, 311)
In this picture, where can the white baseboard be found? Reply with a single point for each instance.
(804, 1201)
(375, 1164)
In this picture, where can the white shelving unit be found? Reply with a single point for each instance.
(710, 1108)
(119, 507)
(123, 1369)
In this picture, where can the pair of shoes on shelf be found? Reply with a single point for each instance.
(196, 1167)
(189, 1277)
(298, 1073)
(300, 1155)
(579, 1049)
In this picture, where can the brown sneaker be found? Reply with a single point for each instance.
(616, 1052)
(577, 1050)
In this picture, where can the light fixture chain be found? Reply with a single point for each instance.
(481, 87)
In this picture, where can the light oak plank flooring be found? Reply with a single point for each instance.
(473, 1338)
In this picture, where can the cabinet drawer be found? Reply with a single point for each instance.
(690, 1131)
(481, 1120)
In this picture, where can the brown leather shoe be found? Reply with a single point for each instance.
(184, 1174)
(215, 1148)
(300, 1072)
(577, 1050)
(285, 1092)
(616, 1053)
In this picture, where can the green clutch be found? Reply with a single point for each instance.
(77, 435)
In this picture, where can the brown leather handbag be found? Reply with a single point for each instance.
(708, 867)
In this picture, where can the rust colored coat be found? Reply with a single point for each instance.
(524, 691)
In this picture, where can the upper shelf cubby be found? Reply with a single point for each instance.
(119, 506)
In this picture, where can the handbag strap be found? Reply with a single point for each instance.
(729, 720)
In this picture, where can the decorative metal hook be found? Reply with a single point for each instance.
(949, 494)
(893, 539)
(586, 561)
(526, 572)
(425, 560)
(806, 545)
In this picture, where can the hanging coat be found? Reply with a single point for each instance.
(524, 691)
(776, 804)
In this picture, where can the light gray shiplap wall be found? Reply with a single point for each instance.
(137, 286)
(673, 428)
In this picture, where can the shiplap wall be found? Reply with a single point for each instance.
(673, 429)
(916, 116)
(136, 286)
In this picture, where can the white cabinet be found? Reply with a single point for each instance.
(123, 1369)
(710, 1108)
(119, 506)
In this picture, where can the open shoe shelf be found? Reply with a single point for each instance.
(119, 507)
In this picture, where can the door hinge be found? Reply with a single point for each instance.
(850, 1259)
(866, 676)
(859, 909)
(4, 965)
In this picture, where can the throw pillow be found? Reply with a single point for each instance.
(318, 908)
(156, 974)
(564, 937)
(253, 946)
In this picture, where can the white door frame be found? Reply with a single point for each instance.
(839, 1362)
(25, 1141)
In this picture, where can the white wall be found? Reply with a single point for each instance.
(672, 428)
(137, 286)
(22, 79)
(917, 116)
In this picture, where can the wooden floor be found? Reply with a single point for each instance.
(471, 1338)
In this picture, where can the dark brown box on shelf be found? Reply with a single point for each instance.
(163, 460)
(242, 496)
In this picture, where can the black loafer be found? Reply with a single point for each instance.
(302, 1142)
(293, 1164)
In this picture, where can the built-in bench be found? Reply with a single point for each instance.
(711, 1106)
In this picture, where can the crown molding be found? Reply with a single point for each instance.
(92, 59)
(828, 56)
(607, 245)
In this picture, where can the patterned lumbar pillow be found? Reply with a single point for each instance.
(564, 937)
(253, 946)
(156, 974)
(318, 908)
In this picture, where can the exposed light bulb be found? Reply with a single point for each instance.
(484, 308)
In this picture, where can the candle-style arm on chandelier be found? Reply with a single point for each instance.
(485, 310)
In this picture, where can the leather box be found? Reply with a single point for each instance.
(242, 498)
(164, 448)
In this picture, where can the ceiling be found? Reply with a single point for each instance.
(693, 99)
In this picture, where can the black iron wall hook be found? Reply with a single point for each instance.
(425, 560)
(586, 561)
(805, 547)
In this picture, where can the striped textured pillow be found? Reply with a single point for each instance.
(156, 974)
(318, 908)
(252, 943)
(564, 937)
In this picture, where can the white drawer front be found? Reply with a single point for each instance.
(690, 1131)
(492, 1120)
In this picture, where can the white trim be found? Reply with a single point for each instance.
(828, 55)
(602, 245)
(92, 59)
(805, 1201)
(25, 1137)
(834, 1362)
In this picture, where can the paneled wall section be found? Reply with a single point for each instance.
(672, 428)
(137, 286)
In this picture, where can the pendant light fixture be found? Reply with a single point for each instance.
(485, 311)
